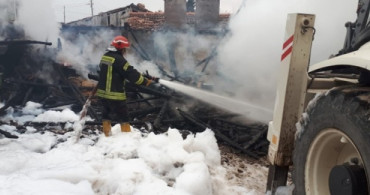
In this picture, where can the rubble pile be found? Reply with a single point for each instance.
(151, 109)
(28, 75)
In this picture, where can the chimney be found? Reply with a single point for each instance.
(207, 14)
(175, 13)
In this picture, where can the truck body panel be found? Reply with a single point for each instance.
(359, 58)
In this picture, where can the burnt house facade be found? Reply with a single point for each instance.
(113, 18)
(169, 38)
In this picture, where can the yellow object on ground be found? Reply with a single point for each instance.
(107, 128)
(125, 127)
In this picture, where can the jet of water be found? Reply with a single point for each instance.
(246, 109)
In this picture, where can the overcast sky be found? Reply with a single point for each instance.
(77, 9)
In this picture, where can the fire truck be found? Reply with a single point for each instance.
(320, 131)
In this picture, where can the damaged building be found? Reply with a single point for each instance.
(178, 29)
(183, 46)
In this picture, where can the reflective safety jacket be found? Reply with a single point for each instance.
(114, 70)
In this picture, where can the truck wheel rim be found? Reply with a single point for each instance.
(331, 147)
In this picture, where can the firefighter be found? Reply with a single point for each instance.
(114, 70)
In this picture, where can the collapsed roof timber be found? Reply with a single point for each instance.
(30, 72)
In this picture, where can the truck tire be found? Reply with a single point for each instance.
(333, 143)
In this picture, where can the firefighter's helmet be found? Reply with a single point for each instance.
(120, 42)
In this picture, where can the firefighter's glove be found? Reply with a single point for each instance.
(149, 81)
(150, 77)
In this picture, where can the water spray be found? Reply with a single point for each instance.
(248, 110)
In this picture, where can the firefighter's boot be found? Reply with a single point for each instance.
(125, 127)
(107, 128)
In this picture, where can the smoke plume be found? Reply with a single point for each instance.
(250, 55)
(36, 18)
(247, 58)
(83, 51)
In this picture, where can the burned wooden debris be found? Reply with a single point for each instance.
(8, 135)
(28, 75)
(23, 42)
(153, 109)
(156, 110)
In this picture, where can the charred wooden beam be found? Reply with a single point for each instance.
(23, 42)
(34, 83)
(27, 95)
(243, 138)
(177, 120)
(74, 89)
(58, 104)
(173, 121)
(255, 139)
(262, 146)
(144, 112)
(207, 59)
(79, 96)
(158, 120)
(10, 102)
(146, 100)
(8, 135)
(192, 119)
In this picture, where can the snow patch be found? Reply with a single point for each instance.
(125, 163)
(305, 117)
(32, 108)
(195, 179)
(56, 116)
(312, 103)
(30, 129)
(8, 128)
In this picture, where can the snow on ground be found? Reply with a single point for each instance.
(125, 163)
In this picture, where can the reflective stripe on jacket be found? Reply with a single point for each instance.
(114, 70)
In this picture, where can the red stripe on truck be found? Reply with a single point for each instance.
(286, 53)
(285, 45)
(287, 42)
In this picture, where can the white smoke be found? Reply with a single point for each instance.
(250, 56)
(189, 48)
(7, 10)
(38, 19)
(142, 65)
(83, 51)
(7, 15)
